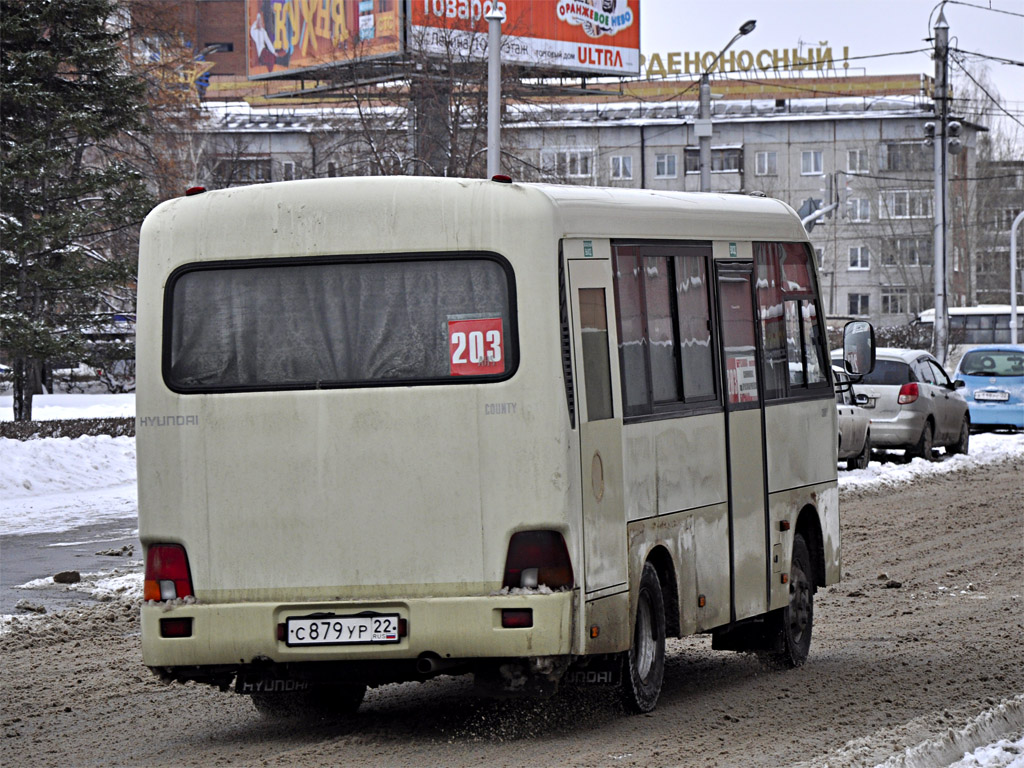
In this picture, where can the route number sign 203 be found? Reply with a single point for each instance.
(476, 347)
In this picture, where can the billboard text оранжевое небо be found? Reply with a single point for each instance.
(287, 37)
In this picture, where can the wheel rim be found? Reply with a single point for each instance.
(800, 605)
(645, 644)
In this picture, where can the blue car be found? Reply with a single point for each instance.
(994, 375)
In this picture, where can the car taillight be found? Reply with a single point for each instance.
(538, 558)
(908, 393)
(167, 573)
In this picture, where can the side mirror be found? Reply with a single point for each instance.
(959, 384)
(859, 348)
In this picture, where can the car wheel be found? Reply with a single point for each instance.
(795, 622)
(860, 461)
(321, 701)
(924, 444)
(961, 445)
(644, 662)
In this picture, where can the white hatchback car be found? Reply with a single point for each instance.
(913, 404)
(854, 423)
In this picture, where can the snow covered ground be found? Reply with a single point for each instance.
(60, 484)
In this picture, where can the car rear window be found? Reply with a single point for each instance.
(889, 372)
(992, 362)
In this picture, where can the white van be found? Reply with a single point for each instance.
(390, 428)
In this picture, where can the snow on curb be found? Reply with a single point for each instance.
(955, 746)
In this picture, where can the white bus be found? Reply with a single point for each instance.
(971, 326)
(390, 428)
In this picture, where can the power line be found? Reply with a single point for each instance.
(985, 91)
(1000, 59)
(984, 8)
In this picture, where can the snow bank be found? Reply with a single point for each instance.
(46, 407)
(985, 448)
(57, 484)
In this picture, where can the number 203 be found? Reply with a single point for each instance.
(475, 345)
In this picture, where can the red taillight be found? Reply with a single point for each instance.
(516, 618)
(908, 393)
(537, 558)
(176, 627)
(167, 573)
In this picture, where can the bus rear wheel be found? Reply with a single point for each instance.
(795, 622)
(644, 662)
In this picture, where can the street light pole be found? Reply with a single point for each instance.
(494, 19)
(940, 334)
(702, 126)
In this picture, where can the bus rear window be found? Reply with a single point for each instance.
(301, 324)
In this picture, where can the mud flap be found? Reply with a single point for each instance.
(267, 681)
(595, 671)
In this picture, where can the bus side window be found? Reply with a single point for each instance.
(791, 339)
(596, 360)
(665, 350)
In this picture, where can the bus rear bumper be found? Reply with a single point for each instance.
(232, 636)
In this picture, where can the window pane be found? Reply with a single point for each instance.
(596, 364)
(771, 315)
(696, 358)
(632, 350)
(738, 338)
(660, 328)
(310, 325)
(814, 349)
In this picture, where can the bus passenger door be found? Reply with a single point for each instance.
(591, 301)
(748, 540)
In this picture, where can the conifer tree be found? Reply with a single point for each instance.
(71, 197)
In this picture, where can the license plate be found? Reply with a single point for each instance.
(997, 396)
(342, 630)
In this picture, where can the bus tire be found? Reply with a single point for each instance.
(795, 622)
(321, 701)
(644, 662)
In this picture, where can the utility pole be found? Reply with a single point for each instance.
(940, 336)
(702, 126)
(494, 19)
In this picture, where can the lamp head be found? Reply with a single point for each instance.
(748, 27)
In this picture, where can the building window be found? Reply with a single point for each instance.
(905, 204)
(288, 171)
(1003, 218)
(860, 257)
(230, 172)
(857, 161)
(766, 164)
(908, 251)
(622, 167)
(905, 156)
(810, 163)
(859, 209)
(895, 301)
(566, 163)
(332, 169)
(723, 160)
(665, 166)
(858, 304)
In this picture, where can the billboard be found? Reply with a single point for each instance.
(594, 36)
(289, 37)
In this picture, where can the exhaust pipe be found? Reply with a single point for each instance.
(429, 663)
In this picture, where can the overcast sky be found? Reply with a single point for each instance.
(865, 27)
